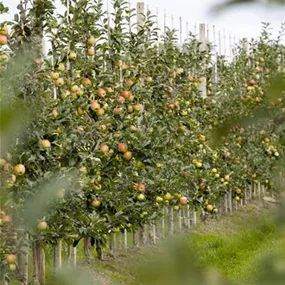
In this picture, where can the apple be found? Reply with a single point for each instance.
(12, 267)
(101, 92)
(91, 41)
(86, 82)
(91, 51)
(104, 148)
(2, 162)
(74, 88)
(60, 67)
(6, 167)
(3, 40)
(133, 128)
(95, 203)
(6, 219)
(11, 258)
(141, 197)
(65, 94)
(130, 109)
(4, 31)
(45, 144)
(159, 199)
(215, 210)
(54, 75)
(215, 170)
(122, 147)
(176, 208)
(54, 113)
(227, 153)
(183, 200)
(199, 164)
(129, 82)
(121, 100)
(19, 169)
(128, 155)
(140, 187)
(42, 226)
(209, 208)
(167, 196)
(138, 107)
(238, 191)
(59, 82)
(126, 94)
(227, 177)
(100, 112)
(237, 198)
(72, 56)
(148, 79)
(95, 106)
(117, 110)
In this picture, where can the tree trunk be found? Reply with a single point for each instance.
(87, 249)
(23, 259)
(170, 221)
(112, 245)
(99, 249)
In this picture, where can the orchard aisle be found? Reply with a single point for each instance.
(231, 243)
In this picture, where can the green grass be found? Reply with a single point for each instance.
(236, 255)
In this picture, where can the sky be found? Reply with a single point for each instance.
(242, 21)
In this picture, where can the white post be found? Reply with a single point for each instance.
(125, 239)
(180, 28)
(140, 13)
(188, 218)
(194, 217)
(164, 21)
(163, 223)
(203, 40)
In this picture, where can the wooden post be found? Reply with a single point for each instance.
(140, 14)
(203, 40)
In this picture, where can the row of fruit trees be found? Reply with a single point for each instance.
(110, 127)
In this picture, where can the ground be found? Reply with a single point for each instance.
(232, 244)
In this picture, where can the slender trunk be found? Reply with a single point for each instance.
(134, 238)
(57, 256)
(142, 235)
(74, 257)
(41, 262)
(35, 264)
(170, 221)
(87, 249)
(230, 201)
(23, 260)
(180, 219)
(99, 249)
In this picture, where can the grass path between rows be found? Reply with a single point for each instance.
(232, 244)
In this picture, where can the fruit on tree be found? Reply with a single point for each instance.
(104, 148)
(61, 67)
(4, 31)
(3, 40)
(96, 203)
(2, 162)
(6, 219)
(54, 75)
(101, 92)
(12, 267)
(159, 199)
(121, 100)
(128, 155)
(141, 197)
(91, 41)
(19, 169)
(86, 82)
(42, 226)
(54, 113)
(95, 106)
(59, 82)
(209, 208)
(122, 147)
(100, 112)
(183, 200)
(11, 258)
(126, 94)
(45, 144)
(91, 51)
(167, 196)
(72, 56)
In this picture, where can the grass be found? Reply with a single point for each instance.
(236, 255)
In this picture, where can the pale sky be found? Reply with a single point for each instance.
(241, 21)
